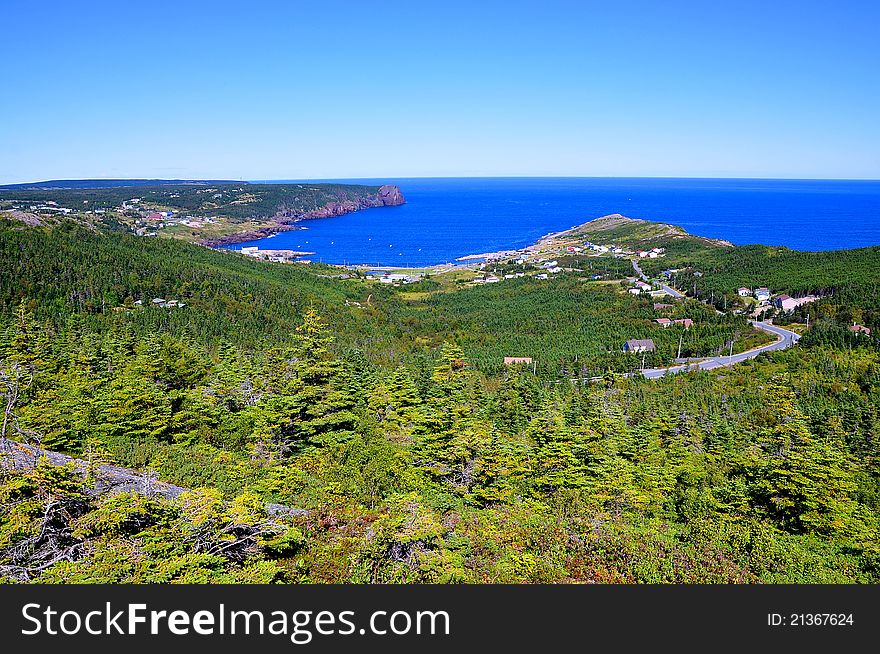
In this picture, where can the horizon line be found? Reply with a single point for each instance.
(393, 177)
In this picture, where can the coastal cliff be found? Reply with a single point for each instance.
(285, 217)
(388, 195)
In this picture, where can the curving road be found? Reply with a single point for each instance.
(644, 277)
(785, 339)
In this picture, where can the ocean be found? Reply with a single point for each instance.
(447, 218)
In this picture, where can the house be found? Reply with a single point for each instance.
(491, 279)
(541, 276)
(687, 323)
(663, 322)
(513, 361)
(762, 293)
(395, 278)
(786, 302)
(634, 291)
(554, 269)
(860, 329)
(659, 306)
(742, 291)
(658, 293)
(637, 345)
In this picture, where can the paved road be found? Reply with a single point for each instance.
(785, 339)
(644, 277)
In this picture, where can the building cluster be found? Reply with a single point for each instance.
(543, 266)
(276, 256)
(162, 303)
(605, 249)
(687, 323)
(639, 287)
(783, 301)
(149, 222)
(396, 279)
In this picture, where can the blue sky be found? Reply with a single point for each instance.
(275, 90)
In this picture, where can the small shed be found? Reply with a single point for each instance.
(515, 361)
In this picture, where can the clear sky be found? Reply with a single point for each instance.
(329, 89)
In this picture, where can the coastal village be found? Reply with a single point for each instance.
(571, 251)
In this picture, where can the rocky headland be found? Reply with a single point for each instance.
(286, 219)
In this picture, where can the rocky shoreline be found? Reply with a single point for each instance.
(388, 195)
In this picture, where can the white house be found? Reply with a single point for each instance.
(742, 291)
(762, 293)
(639, 345)
(786, 303)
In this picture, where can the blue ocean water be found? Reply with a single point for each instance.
(446, 218)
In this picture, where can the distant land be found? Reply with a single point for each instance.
(446, 218)
(111, 183)
(207, 212)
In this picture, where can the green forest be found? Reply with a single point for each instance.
(384, 419)
(236, 201)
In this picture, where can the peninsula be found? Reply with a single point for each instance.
(210, 213)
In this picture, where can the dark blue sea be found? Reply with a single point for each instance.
(446, 218)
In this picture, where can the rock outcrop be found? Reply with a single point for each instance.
(387, 196)
(107, 478)
(390, 195)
